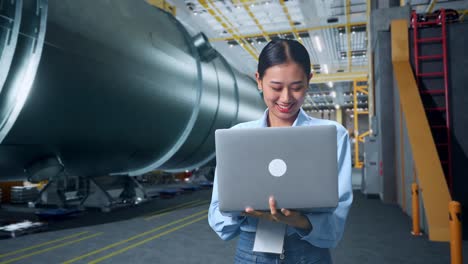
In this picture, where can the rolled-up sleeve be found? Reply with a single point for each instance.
(328, 227)
(227, 226)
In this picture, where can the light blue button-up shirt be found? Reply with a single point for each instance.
(327, 227)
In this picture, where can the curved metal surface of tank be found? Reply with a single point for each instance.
(121, 88)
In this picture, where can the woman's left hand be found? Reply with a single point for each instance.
(289, 217)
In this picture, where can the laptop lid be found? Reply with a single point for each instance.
(297, 165)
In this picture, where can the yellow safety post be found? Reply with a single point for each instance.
(455, 233)
(416, 228)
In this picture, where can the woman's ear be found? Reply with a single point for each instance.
(259, 81)
(310, 77)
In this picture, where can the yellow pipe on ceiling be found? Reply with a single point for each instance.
(281, 32)
(291, 23)
(247, 9)
(217, 16)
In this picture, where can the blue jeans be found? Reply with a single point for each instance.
(296, 251)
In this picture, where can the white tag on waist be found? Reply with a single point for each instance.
(269, 237)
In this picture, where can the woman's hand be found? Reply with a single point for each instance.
(289, 217)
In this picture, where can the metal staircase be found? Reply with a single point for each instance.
(431, 72)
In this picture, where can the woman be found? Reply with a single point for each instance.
(283, 76)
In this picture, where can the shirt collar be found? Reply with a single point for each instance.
(301, 118)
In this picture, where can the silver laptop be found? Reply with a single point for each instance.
(297, 165)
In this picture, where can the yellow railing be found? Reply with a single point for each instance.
(357, 87)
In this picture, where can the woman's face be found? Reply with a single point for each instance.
(284, 87)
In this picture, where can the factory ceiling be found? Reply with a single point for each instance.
(335, 32)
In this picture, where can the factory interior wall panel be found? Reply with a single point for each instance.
(409, 168)
(381, 17)
(458, 74)
(406, 180)
(400, 177)
(384, 111)
(385, 3)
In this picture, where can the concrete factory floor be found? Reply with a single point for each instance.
(175, 230)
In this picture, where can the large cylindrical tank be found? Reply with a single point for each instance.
(116, 87)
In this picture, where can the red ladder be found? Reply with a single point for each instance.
(444, 144)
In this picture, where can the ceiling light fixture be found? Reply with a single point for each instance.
(318, 45)
(325, 68)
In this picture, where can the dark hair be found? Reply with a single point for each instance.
(282, 51)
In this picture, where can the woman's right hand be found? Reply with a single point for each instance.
(289, 217)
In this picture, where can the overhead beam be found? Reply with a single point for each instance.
(291, 23)
(281, 32)
(338, 77)
(218, 16)
(260, 27)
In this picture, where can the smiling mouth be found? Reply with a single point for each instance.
(284, 108)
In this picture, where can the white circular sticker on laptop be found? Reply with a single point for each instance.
(277, 167)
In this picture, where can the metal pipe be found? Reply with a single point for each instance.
(121, 93)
